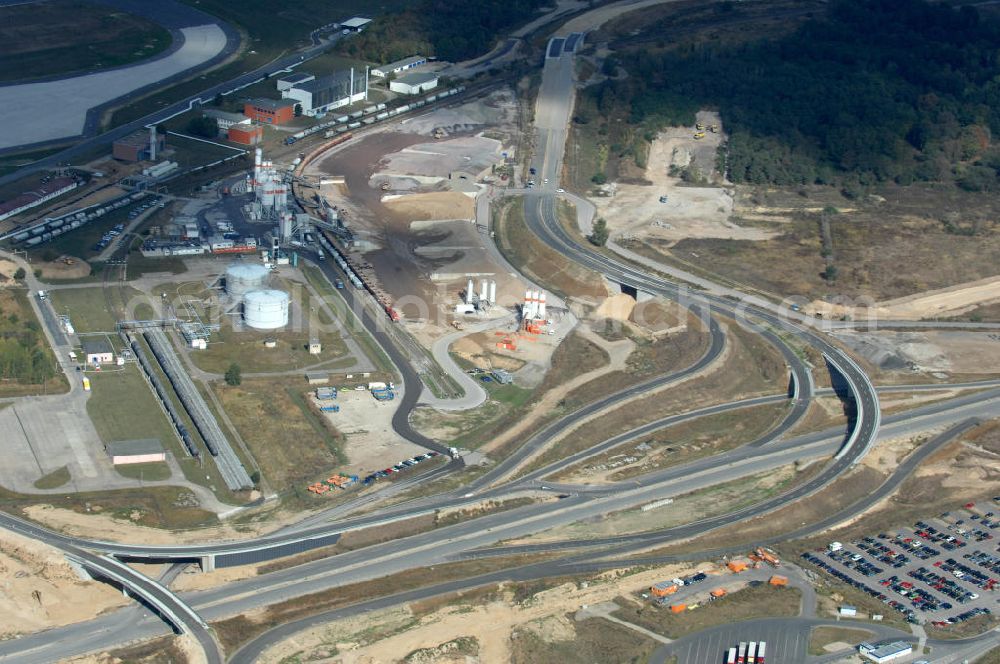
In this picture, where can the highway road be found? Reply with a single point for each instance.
(583, 563)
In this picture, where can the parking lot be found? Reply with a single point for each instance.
(942, 571)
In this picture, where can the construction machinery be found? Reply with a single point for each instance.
(700, 126)
(700, 135)
(714, 129)
(764, 554)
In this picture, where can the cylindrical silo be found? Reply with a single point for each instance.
(243, 278)
(266, 309)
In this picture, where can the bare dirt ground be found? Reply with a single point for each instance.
(418, 169)
(370, 441)
(690, 211)
(39, 590)
(61, 270)
(958, 352)
(107, 527)
(388, 636)
(618, 354)
(7, 270)
(944, 302)
(433, 205)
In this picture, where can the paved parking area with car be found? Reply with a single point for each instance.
(941, 571)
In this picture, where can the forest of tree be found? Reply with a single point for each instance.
(874, 91)
(451, 31)
(22, 354)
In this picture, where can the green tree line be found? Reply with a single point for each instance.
(873, 91)
(450, 30)
(22, 358)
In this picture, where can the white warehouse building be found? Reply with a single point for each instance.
(414, 84)
(398, 66)
(319, 95)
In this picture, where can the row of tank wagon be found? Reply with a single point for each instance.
(368, 116)
(350, 271)
(164, 397)
(54, 227)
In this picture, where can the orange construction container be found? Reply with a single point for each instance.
(663, 589)
(736, 566)
(718, 592)
(778, 580)
(678, 608)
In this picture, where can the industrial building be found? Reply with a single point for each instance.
(355, 24)
(98, 350)
(320, 95)
(28, 200)
(145, 450)
(224, 119)
(399, 65)
(246, 134)
(139, 146)
(885, 653)
(414, 84)
(502, 376)
(270, 111)
(291, 80)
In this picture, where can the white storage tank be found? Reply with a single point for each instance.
(243, 278)
(265, 309)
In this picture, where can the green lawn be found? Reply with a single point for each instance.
(122, 407)
(53, 480)
(87, 308)
(146, 472)
(62, 37)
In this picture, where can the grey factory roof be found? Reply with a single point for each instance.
(135, 447)
(272, 104)
(296, 77)
(218, 114)
(326, 82)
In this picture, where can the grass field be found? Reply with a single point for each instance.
(53, 480)
(751, 368)
(686, 508)
(885, 250)
(290, 443)
(18, 321)
(168, 507)
(686, 442)
(145, 472)
(824, 636)
(746, 604)
(596, 640)
(200, 471)
(509, 403)
(122, 407)
(190, 152)
(534, 258)
(62, 37)
(87, 308)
